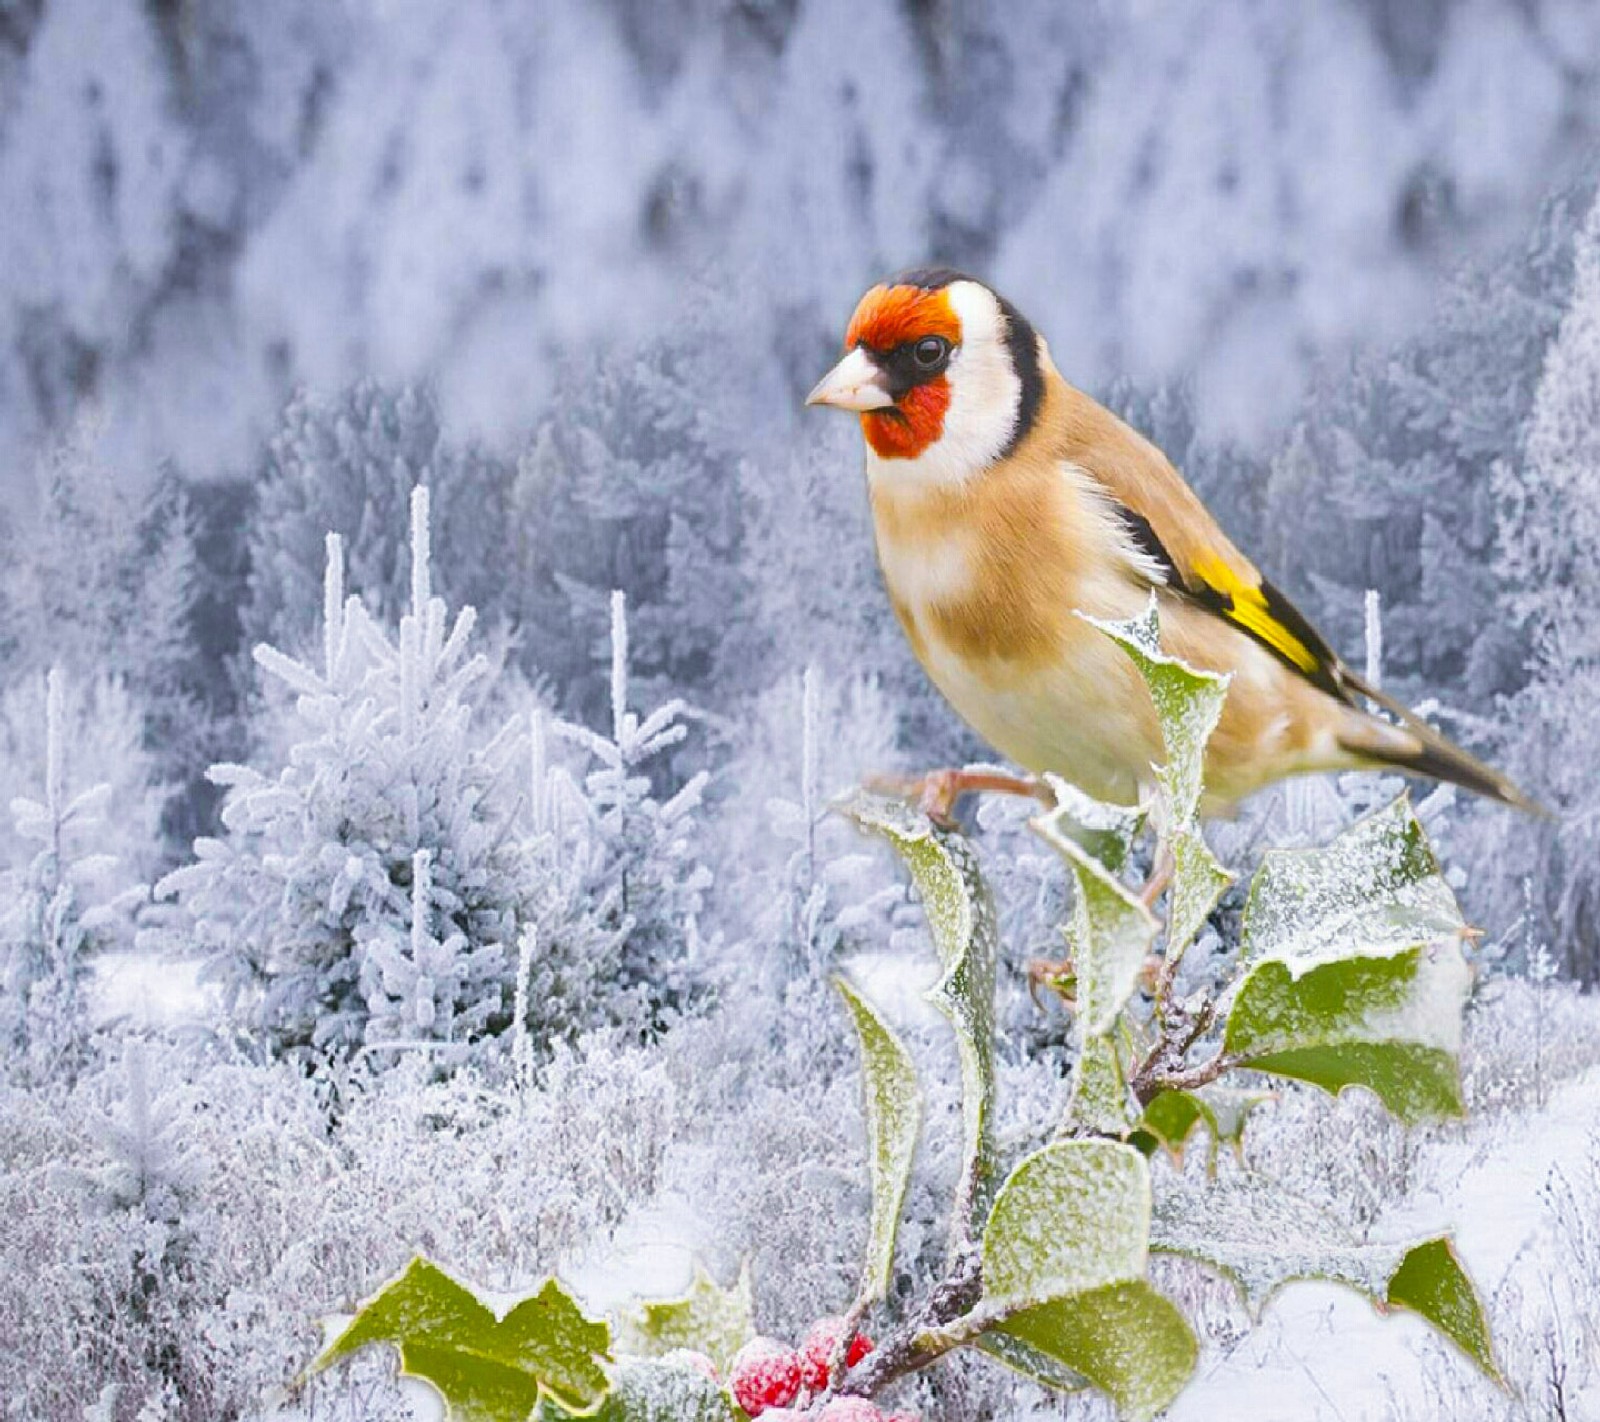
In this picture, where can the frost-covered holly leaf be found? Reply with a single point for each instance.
(1392, 1025)
(1357, 975)
(1172, 1117)
(1101, 1104)
(961, 919)
(707, 1319)
(1109, 936)
(1262, 1237)
(1188, 705)
(1106, 832)
(656, 1390)
(1375, 890)
(1125, 1339)
(893, 1112)
(485, 1368)
(1198, 883)
(1071, 1217)
(1063, 1273)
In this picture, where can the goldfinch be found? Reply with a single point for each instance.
(1005, 501)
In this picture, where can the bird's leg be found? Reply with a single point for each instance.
(1161, 872)
(936, 792)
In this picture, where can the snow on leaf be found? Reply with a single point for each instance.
(1198, 882)
(1106, 832)
(1391, 1024)
(961, 918)
(655, 1390)
(1071, 1217)
(1374, 890)
(1124, 1338)
(1261, 1237)
(893, 1109)
(707, 1319)
(486, 1369)
(1188, 704)
(1101, 1103)
(1109, 935)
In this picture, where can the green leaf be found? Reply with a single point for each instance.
(707, 1319)
(961, 919)
(1198, 883)
(1104, 832)
(1188, 705)
(656, 1390)
(893, 1110)
(1376, 890)
(1262, 1237)
(1101, 1104)
(1358, 976)
(1071, 1217)
(1171, 1118)
(1392, 1025)
(1125, 1339)
(1109, 936)
(1431, 1281)
(486, 1369)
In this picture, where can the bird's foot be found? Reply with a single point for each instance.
(936, 792)
(1161, 873)
(1059, 976)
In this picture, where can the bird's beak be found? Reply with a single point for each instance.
(855, 383)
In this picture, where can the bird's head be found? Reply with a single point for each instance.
(944, 372)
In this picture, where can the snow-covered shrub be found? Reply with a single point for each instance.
(63, 907)
(380, 886)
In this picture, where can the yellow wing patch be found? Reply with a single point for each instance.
(1247, 605)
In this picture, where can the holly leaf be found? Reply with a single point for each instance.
(1357, 976)
(1375, 890)
(484, 1368)
(1105, 832)
(1188, 705)
(1125, 1339)
(1064, 1259)
(1172, 1117)
(1392, 1025)
(961, 918)
(1198, 884)
(893, 1111)
(1071, 1217)
(1261, 1238)
(707, 1319)
(1100, 1104)
(1108, 937)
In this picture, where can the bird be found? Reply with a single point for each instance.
(1009, 507)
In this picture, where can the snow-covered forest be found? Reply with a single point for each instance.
(432, 635)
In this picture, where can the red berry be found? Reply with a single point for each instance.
(817, 1351)
(764, 1374)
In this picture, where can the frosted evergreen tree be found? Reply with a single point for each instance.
(60, 914)
(303, 900)
(1549, 510)
(348, 465)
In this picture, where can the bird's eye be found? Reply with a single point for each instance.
(930, 352)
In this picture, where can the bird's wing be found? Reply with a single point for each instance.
(1169, 528)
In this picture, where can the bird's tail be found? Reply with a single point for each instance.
(1415, 747)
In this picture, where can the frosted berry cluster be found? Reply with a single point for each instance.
(773, 1380)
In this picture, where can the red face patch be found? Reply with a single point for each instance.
(909, 426)
(889, 316)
